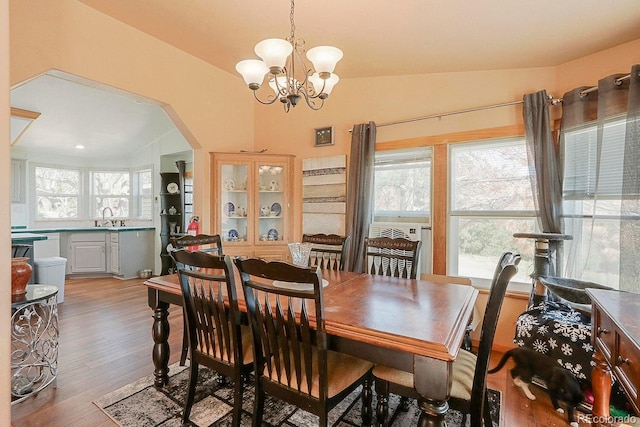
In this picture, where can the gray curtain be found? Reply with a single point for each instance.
(546, 182)
(630, 209)
(360, 191)
(591, 214)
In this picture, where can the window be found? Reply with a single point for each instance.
(402, 185)
(143, 194)
(57, 193)
(490, 200)
(110, 190)
(592, 201)
(68, 193)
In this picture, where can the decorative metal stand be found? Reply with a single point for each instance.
(34, 341)
(541, 256)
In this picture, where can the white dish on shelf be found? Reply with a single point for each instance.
(229, 185)
(297, 286)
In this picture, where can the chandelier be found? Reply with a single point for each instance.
(288, 75)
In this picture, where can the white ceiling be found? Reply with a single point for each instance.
(379, 38)
(107, 123)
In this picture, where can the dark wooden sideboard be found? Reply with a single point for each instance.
(615, 324)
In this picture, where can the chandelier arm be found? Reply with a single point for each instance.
(310, 100)
(255, 95)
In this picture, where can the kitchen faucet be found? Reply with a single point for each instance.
(104, 211)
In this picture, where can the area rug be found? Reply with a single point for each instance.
(140, 404)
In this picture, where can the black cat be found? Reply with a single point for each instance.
(561, 384)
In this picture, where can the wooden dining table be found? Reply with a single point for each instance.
(414, 325)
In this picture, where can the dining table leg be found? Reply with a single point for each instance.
(431, 380)
(432, 414)
(160, 334)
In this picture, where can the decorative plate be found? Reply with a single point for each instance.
(229, 185)
(272, 234)
(233, 234)
(276, 209)
(173, 188)
(229, 209)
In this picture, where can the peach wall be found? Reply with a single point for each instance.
(5, 220)
(210, 105)
(588, 70)
(388, 99)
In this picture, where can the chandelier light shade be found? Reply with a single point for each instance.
(290, 77)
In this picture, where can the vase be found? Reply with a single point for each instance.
(20, 274)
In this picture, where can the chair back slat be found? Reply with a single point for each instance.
(398, 257)
(287, 323)
(329, 251)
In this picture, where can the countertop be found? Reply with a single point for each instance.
(17, 231)
(23, 237)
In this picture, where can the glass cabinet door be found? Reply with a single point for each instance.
(271, 202)
(234, 202)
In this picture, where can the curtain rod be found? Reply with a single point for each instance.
(595, 88)
(450, 113)
(552, 101)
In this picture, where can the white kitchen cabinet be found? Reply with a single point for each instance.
(87, 253)
(130, 252)
(114, 253)
(18, 181)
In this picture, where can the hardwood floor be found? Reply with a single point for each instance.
(105, 343)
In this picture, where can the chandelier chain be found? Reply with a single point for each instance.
(293, 24)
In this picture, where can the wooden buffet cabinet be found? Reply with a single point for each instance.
(616, 338)
(252, 203)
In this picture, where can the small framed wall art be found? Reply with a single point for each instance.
(323, 136)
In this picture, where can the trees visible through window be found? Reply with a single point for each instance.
(68, 193)
(143, 194)
(402, 185)
(111, 190)
(490, 200)
(57, 193)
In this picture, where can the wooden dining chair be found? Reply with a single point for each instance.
(291, 360)
(202, 242)
(469, 372)
(329, 251)
(385, 256)
(215, 336)
(441, 278)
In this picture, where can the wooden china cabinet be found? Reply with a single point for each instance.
(252, 203)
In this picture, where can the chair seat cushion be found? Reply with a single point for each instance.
(463, 369)
(247, 348)
(343, 371)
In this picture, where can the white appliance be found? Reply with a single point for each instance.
(411, 231)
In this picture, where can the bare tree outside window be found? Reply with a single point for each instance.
(57, 193)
